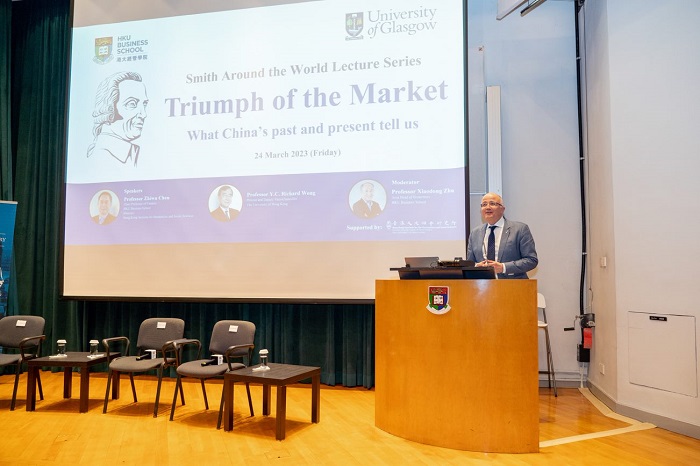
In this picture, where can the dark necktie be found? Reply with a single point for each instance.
(491, 246)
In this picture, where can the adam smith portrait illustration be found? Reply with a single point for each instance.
(119, 115)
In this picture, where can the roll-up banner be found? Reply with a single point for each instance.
(8, 213)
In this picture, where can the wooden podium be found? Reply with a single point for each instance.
(465, 379)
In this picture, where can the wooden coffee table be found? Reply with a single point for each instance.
(279, 375)
(72, 359)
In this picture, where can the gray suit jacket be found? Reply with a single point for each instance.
(516, 249)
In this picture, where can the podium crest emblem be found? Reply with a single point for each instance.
(438, 299)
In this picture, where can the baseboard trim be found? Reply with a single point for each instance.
(672, 425)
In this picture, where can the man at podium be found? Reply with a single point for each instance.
(503, 244)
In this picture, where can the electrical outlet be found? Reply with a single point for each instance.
(601, 368)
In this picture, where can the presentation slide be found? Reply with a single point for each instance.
(261, 150)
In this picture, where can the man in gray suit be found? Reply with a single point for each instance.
(512, 253)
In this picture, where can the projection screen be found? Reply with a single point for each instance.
(261, 150)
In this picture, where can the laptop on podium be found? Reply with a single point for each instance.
(418, 262)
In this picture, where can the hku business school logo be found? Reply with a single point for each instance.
(438, 299)
(354, 23)
(103, 50)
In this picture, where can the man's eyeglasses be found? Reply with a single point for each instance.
(491, 204)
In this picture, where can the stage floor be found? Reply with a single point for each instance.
(573, 430)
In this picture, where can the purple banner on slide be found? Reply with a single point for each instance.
(377, 206)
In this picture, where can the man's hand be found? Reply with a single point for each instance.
(497, 266)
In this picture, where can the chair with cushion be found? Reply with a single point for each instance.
(155, 334)
(22, 335)
(542, 325)
(233, 340)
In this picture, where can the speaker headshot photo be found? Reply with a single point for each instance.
(104, 207)
(118, 118)
(372, 199)
(225, 203)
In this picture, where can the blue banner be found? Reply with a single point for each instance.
(8, 213)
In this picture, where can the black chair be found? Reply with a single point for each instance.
(156, 334)
(233, 340)
(22, 335)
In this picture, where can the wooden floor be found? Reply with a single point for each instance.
(128, 434)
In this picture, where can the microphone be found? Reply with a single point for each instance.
(211, 362)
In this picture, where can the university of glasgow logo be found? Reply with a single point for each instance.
(438, 299)
(353, 25)
(103, 50)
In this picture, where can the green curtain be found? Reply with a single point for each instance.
(40, 32)
(338, 338)
(5, 142)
